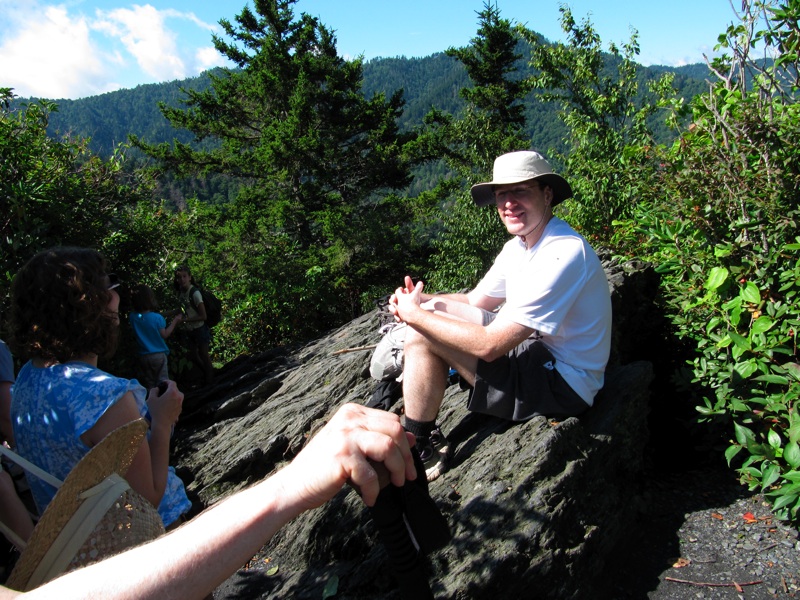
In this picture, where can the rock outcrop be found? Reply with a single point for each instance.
(535, 508)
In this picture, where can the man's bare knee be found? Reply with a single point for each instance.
(414, 338)
(416, 342)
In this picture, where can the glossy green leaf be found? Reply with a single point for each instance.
(716, 277)
(792, 476)
(772, 378)
(774, 439)
(750, 293)
(739, 341)
(762, 324)
(732, 451)
(785, 500)
(743, 434)
(746, 369)
(791, 453)
(770, 476)
(794, 370)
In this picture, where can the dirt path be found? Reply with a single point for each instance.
(705, 536)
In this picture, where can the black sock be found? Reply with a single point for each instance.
(419, 428)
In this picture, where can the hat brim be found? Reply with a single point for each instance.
(483, 193)
(114, 454)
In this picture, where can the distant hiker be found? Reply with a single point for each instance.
(151, 331)
(64, 318)
(545, 350)
(194, 320)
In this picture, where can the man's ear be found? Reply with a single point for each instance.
(548, 196)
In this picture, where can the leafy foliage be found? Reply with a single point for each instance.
(611, 162)
(725, 236)
(313, 223)
(717, 212)
(55, 192)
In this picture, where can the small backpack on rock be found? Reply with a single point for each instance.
(387, 359)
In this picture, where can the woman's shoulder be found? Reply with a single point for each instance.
(150, 316)
(79, 389)
(75, 374)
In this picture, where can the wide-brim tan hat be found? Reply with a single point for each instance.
(516, 167)
(60, 543)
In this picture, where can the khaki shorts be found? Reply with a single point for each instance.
(522, 385)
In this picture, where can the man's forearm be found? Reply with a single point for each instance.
(455, 297)
(454, 333)
(195, 558)
(459, 326)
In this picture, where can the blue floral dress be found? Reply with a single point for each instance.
(52, 407)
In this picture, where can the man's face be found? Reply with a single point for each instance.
(183, 279)
(523, 207)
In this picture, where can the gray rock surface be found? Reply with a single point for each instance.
(534, 507)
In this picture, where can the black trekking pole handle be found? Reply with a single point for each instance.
(409, 526)
(404, 554)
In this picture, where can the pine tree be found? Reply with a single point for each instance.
(494, 123)
(292, 123)
(316, 159)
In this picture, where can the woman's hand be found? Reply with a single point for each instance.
(165, 407)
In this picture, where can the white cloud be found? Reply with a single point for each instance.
(33, 59)
(144, 35)
(190, 16)
(55, 51)
(208, 58)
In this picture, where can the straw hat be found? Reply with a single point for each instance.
(516, 167)
(93, 515)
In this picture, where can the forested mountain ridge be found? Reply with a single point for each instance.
(432, 81)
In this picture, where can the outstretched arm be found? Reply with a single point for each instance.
(167, 331)
(455, 327)
(195, 558)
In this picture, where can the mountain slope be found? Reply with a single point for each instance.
(432, 81)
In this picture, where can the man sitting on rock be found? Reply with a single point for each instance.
(545, 350)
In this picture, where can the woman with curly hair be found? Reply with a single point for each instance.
(64, 317)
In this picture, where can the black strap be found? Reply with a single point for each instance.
(410, 525)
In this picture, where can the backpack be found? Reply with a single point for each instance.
(212, 304)
(387, 359)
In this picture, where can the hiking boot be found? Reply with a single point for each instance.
(434, 451)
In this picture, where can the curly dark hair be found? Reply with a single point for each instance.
(59, 306)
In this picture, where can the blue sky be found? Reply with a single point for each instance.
(78, 48)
